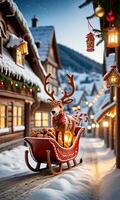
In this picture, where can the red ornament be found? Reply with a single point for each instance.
(23, 87)
(110, 16)
(31, 90)
(90, 42)
(1, 84)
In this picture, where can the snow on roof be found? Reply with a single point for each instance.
(99, 102)
(87, 87)
(7, 63)
(77, 96)
(110, 60)
(14, 41)
(89, 98)
(21, 19)
(106, 100)
(43, 35)
(103, 111)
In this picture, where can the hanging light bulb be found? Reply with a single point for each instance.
(99, 11)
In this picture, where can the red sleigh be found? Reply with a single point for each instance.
(47, 150)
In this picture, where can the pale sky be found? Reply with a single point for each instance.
(69, 21)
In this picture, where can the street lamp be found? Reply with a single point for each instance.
(112, 38)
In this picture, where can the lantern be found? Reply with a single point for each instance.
(112, 78)
(97, 125)
(91, 116)
(24, 47)
(112, 38)
(68, 137)
(89, 127)
(1, 84)
(90, 42)
(105, 124)
(93, 125)
(99, 11)
(30, 90)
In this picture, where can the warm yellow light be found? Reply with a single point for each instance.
(93, 125)
(90, 105)
(105, 124)
(91, 116)
(86, 102)
(24, 48)
(97, 125)
(78, 107)
(89, 127)
(68, 138)
(113, 79)
(114, 98)
(112, 38)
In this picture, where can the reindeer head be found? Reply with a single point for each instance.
(58, 106)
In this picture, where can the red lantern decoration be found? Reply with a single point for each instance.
(23, 87)
(90, 42)
(110, 16)
(1, 84)
(31, 90)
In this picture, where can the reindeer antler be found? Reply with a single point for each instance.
(66, 95)
(45, 88)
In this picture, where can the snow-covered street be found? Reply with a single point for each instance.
(86, 181)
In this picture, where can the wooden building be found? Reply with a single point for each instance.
(45, 40)
(21, 78)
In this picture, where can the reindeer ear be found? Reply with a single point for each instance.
(67, 101)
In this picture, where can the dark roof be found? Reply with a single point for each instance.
(44, 35)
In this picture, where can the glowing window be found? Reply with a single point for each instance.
(17, 116)
(41, 119)
(2, 116)
(19, 56)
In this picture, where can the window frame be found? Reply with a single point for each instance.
(41, 119)
(18, 116)
(5, 116)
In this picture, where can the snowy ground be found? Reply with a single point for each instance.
(95, 179)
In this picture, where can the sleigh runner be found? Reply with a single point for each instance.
(47, 150)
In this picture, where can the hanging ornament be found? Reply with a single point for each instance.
(99, 11)
(90, 41)
(110, 16)
(31, 90)
(1, 84)
(23, 87)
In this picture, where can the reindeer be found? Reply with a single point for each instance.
(62, 122)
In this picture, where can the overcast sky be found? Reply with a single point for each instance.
(69, 21)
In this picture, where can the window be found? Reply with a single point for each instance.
(2, 116)
(37, 119)
(41, 119)
(17, 116)
(19, 56)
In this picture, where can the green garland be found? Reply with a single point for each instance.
(17, 85)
